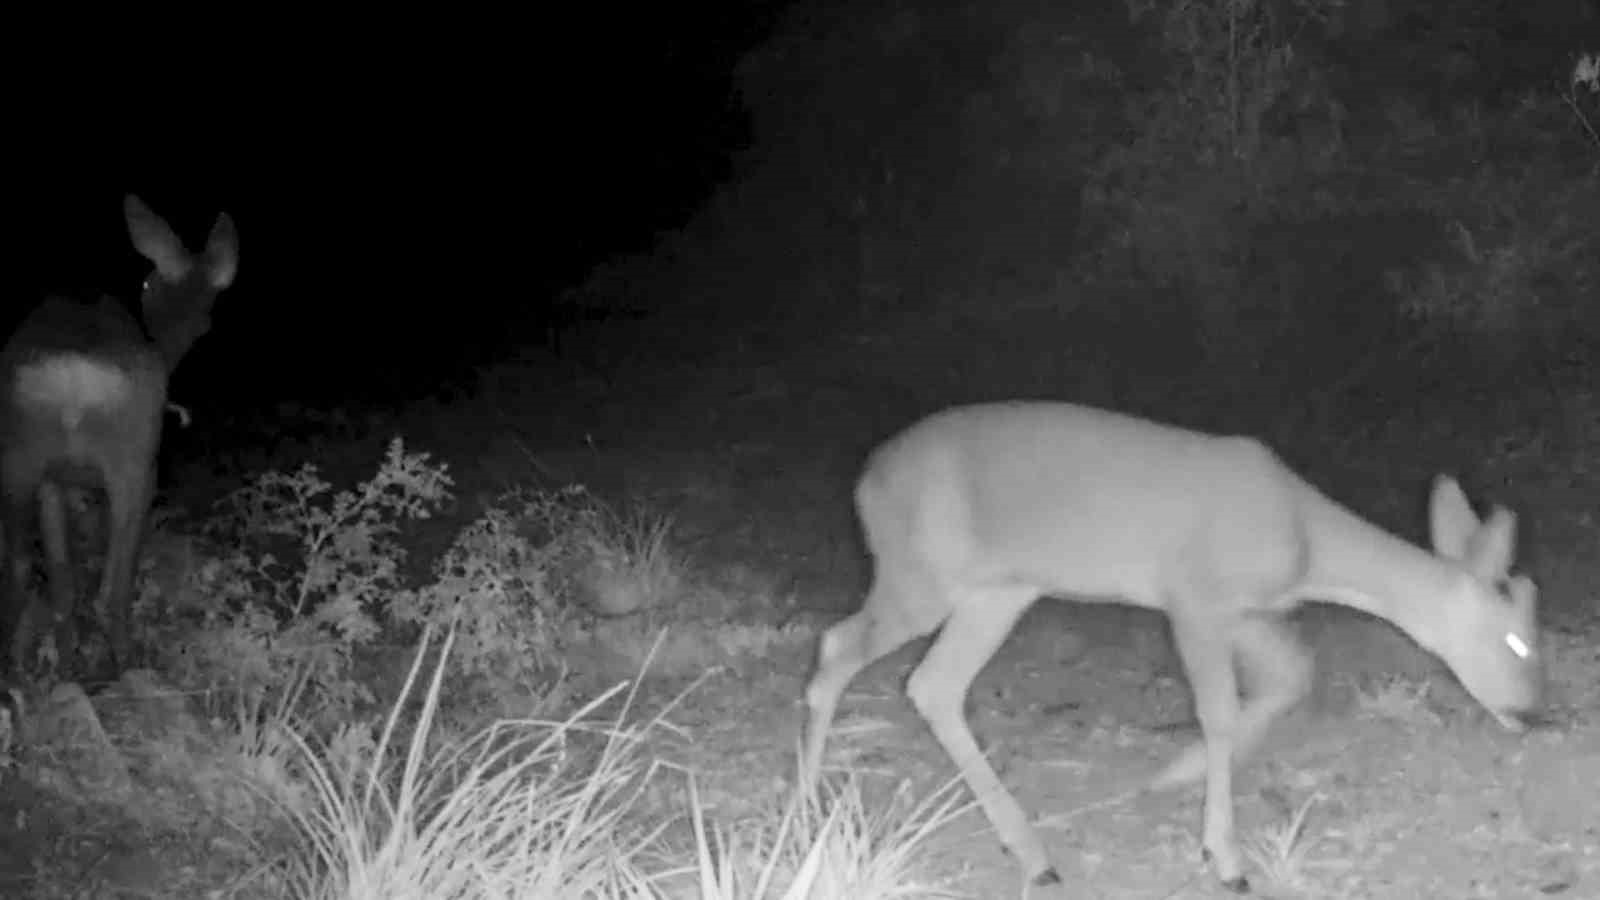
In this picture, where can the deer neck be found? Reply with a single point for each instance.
(1357, 564)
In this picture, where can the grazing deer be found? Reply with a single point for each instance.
(83, 388)
(974, 513)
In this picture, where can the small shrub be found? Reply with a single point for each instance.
(629, 564)
(522, 579)
(273, 634)
(1282, 852)
(493, 587)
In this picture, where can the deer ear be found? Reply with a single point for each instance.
(1524, 595)
(154, 239)
(1451, 520)
(1490, 549)
(222, 252)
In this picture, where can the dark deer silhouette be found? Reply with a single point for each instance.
(83, 389)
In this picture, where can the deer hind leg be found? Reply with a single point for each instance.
(61, 580)
(1277, 673)
(1206, 646)
(128, 486)
(19, 610)
(901, 605)
(977, 626)
(1277, 670)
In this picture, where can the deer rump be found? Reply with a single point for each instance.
(83, 388)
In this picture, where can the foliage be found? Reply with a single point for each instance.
(1230, 63)
(1239, 112)
(518, 580)
(300, 581)
(494, 588)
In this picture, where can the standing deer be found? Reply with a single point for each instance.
(974, 513)
(83, 389)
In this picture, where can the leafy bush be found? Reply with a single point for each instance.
(524, 576)
(300, 581)
(493, 586)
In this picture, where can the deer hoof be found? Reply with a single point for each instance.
(1238, 884)
(1047, 878)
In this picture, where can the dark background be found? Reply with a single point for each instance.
(417, 200)
(408, 198)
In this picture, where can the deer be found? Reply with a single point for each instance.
(975, 512)
(83, 393)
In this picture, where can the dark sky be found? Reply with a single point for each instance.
(400, 196)
(358, 209)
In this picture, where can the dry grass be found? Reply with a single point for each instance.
(542, 809)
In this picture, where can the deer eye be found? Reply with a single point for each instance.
(1518, 645)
